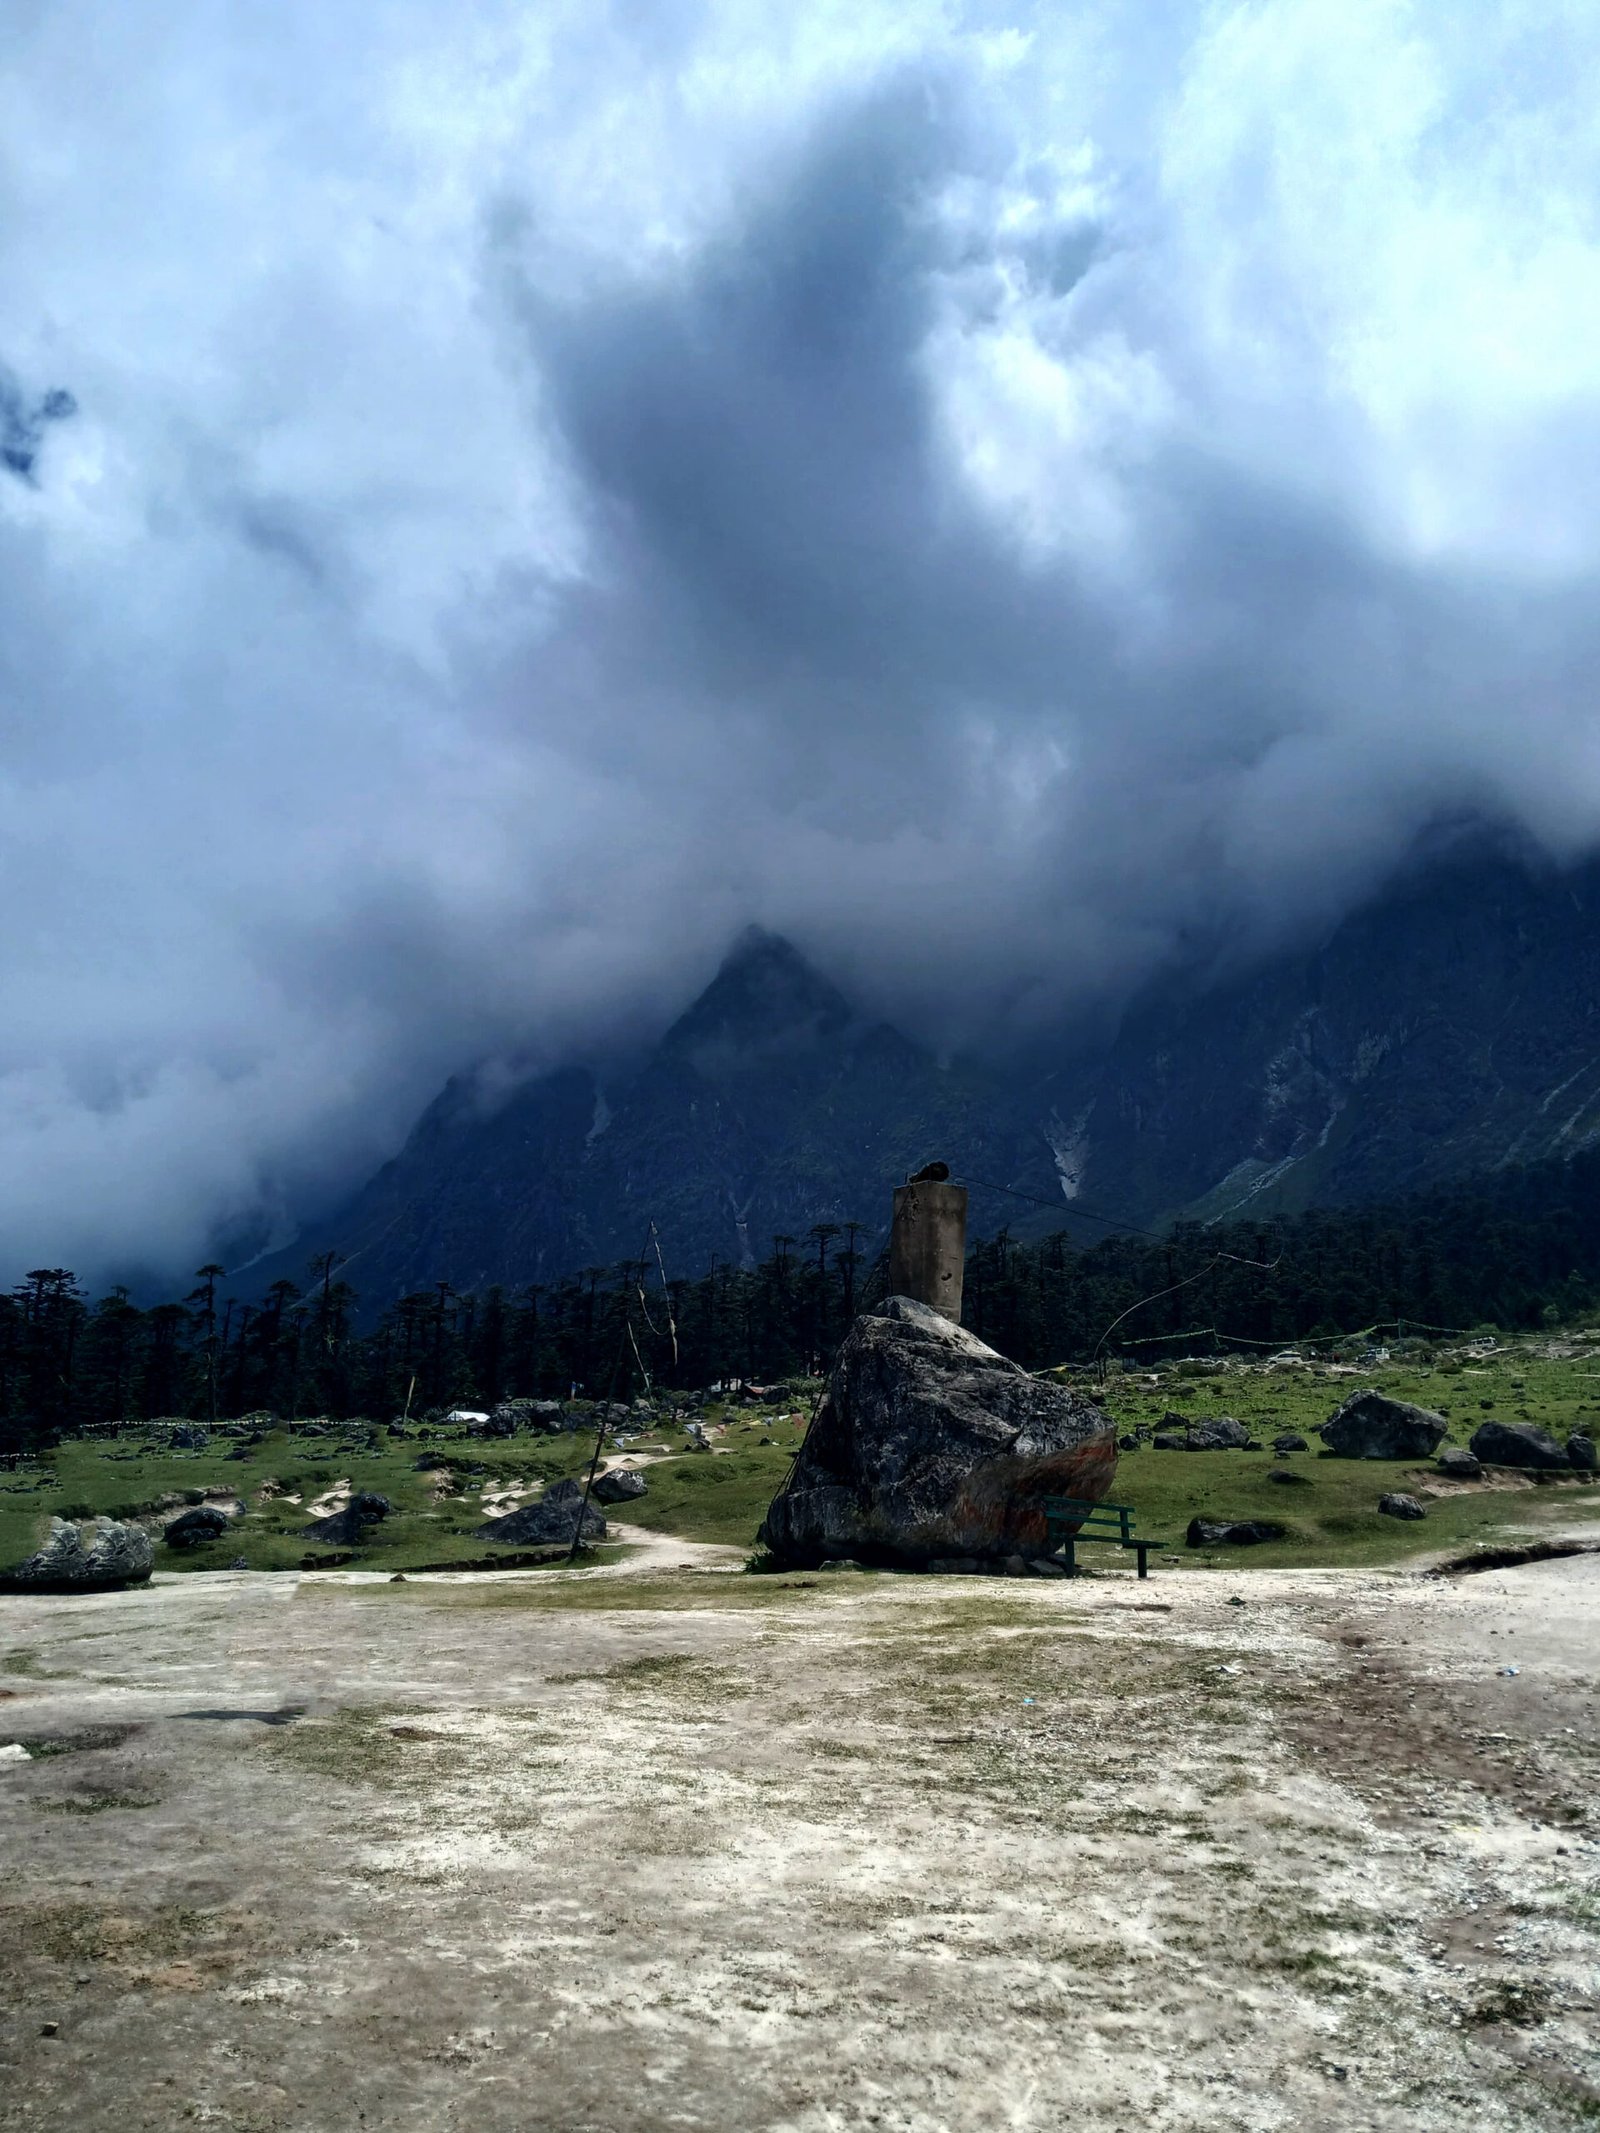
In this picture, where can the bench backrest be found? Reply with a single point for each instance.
(1085, 1513)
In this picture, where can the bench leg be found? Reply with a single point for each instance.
(1070, 1549)
(1143, 1554)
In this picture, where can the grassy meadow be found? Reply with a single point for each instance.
(1330, 1508)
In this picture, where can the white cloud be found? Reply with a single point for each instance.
(550, 485)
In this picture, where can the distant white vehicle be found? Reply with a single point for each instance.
(466, 1414)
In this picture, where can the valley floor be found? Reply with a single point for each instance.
(663, 1845)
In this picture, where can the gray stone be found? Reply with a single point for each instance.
(351, 1526)
(1395, 1505)
(1372, 1426)
(1042, 1566)
(550, 1522)
(191, 1529)
(99, 1557)
(1289, 1442)
(1581, 1451)
(929, 1445)
(1287, 1478)
(622, 1486)
(1233, 1532)
(1015, 1566)
(1206, 1433)
(1462, 1465)
(954, 1566)
(1128, 1443)
(1517, 1444)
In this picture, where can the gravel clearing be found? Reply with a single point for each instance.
(661, 1845)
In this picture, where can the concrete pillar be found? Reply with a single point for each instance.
(928, 1245)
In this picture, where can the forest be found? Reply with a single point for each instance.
(1516, 1250)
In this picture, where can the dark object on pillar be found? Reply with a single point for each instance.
(928, 1243)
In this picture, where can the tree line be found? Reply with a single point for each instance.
(1518, 1249)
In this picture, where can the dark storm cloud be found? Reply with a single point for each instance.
(1017, 498)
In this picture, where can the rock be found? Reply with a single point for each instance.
(1372, 1426)
(99, 1557)
(954, 1566)
(190, 1437)
(1462, 1465)
(928, 1445)
(1288, 1479)
(1206, 1433)
(1218, 1433)
(1233, 1532)
(1517, 1444)
(1289, 1442)
(191, 1529)
(842, 1562)
(1581, 1452)
(622, 1486)
(551, 1522)
(1015, 1566)
(502, 1423)
(1127, 1444)
(1395, 1505)
(1042, 1566)
(350, 1527)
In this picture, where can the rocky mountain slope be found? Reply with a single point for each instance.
(1451, 1026)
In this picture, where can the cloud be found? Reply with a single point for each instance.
(1013, 501)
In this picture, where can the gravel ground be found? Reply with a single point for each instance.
(665, 1846)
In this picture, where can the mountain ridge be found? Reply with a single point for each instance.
(1448, 1026)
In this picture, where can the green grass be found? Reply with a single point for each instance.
(1333, 1520)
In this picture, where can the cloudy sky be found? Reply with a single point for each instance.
(494, 497)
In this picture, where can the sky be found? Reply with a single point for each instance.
(495, 498)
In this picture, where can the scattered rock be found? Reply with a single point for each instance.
(1044, 1566)
(1289, 1442)
(1206, 1433)
(1372, 1426)
(929, 1445)
(1395, 1505)
(1581, 1452)
(190, 1437)
(1233, 1532)
(841, 1562)
(1517, 1444)
(1015, 1566)
(954, 1566)
(1129, 1443)
(553, 1519)
(1460, 1464)
(350, 1527)
(623, 1485)
(100, 1557)
(1288, 1479)
(192, 1529)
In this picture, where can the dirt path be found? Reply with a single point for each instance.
(653, 1845)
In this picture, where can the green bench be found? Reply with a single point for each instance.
(1061, 1512)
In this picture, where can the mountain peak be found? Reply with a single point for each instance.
(764, 991)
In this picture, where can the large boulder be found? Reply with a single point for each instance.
(1581, 1452)
(623, 1485)
(1206, 1433)
(928, 1446)
(191, 1529)
(549, 1522)
(1372, 1426)
(351, 1526)
(99, 1557)
(1517, 1444)
(1233, 1532)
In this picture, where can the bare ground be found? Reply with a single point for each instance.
(664, 1846)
